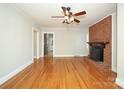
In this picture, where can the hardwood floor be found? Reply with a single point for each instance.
(69, 73)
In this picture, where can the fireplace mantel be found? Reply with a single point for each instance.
(98, 43)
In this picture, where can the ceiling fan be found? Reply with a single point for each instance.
(69, 16)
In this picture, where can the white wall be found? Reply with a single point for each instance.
(69, 41)
(114, 42)
(120, 45)
(15, 39)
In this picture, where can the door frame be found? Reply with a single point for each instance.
(37, 42)
(43, 42)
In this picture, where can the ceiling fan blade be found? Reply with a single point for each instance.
(76, 20)
(57, 16)
(64, 10)
(80, 13)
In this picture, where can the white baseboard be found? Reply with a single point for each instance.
(82, 55)
(41, 55)
(63, 55)
(10, 75)
(36, 57)
(68, 55)
(120, 82)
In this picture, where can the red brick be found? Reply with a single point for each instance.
(102, 32)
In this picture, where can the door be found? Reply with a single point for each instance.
(48, 44)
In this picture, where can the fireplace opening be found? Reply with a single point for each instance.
(97, 53)
(97, 50)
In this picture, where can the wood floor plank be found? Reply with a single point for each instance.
(63, 73)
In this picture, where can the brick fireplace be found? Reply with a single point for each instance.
(101, 32)
(97, 50)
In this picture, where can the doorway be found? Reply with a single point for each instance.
(48, 44)
(35, 43)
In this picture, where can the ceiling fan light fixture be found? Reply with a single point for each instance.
(67, 13)
(71, 18)
(68, 20)
(66, 17)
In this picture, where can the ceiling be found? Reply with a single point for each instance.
(42, 13)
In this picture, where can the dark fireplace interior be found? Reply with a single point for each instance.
(97, 50)
(97, 53)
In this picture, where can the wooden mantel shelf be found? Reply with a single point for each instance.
(102, 44)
